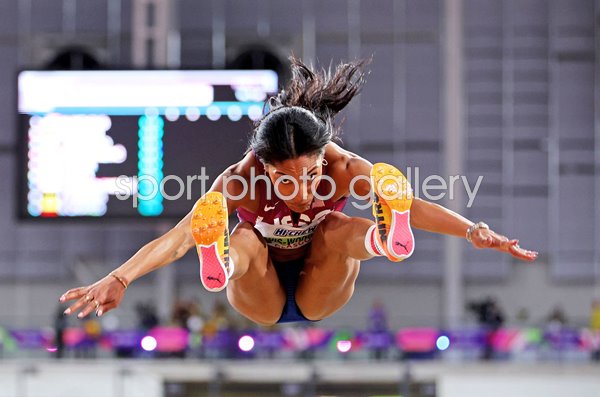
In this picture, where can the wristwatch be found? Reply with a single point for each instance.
(475, 226)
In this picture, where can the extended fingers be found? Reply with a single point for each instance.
(106, 307)
(91, 306)
(99, 297)
(86, 301)
(522, 253)
(504, 243)
(75, 293)
(489, 239)
(92, 301)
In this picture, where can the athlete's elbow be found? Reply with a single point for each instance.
(185, 239)
(178, 241)
(417, 213)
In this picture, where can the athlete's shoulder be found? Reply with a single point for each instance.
(235, 182)
(344, 162)
(344, 166)
(244, 168)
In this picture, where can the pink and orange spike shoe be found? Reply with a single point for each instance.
(211, 233)
(392, 198)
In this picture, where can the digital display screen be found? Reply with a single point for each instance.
(131, 144)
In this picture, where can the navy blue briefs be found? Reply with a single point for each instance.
(289, 275)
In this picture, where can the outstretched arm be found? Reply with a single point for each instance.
(107, 293)
(435, 218)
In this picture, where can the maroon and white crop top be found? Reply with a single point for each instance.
(274, 219)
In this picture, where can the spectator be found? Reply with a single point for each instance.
(595, 325)
(378, 330)
(147, 318)
(595, 316)
(556, 320)
(377, 317)
(523, 317)
(491, 318)
(219, 320)
(60, 324)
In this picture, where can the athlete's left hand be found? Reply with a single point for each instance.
(485, 238)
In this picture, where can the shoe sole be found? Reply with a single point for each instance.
(393, 198)
(210, 229)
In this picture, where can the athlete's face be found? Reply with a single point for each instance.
(296, 180)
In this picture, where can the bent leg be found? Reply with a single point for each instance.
(332, 266)
(254, 289)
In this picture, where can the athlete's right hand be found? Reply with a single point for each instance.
(101, 297)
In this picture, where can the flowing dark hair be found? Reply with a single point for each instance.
(300, 120)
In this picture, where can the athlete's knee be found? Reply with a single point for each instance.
(332, 222)
(265, 321)
(245, 228)
(323, 233)
(313, 312)
(316, 311)
(261, 316)
(244, 231)
(265, 315)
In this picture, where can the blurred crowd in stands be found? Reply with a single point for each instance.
(192, 332)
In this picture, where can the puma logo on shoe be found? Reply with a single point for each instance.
(212, 278)
(405, 246)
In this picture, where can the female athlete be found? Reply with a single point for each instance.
(294, 256)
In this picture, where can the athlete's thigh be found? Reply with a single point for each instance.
(327, 282)
(258, 294)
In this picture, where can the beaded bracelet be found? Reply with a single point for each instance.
(475, 226)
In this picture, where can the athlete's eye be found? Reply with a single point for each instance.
(285, 180)
(312, 177)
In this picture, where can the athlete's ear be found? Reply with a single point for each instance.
(267, 167)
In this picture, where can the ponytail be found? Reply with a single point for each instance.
(300, 118)
(324, 93)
